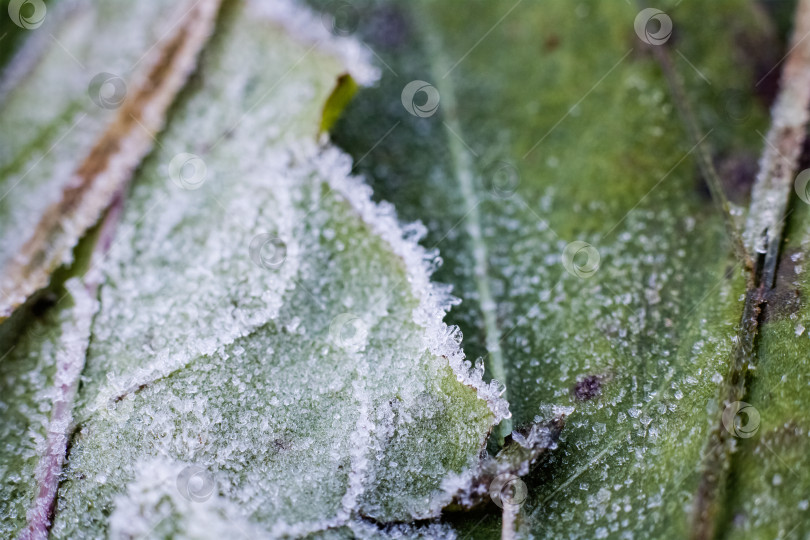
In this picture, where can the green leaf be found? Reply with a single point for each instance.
(34, 368)
(767, 454)
(558, 183)
(768, 492)
(66, 155)
(268, 355)
(337, 101)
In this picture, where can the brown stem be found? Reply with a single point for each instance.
(771, 192)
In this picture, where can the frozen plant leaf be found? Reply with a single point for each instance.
(38, 375)
(65, 155)
(762, 440)
(554, 174)
(268, 355)
(767, 494)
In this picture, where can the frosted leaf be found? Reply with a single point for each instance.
(67, 154)
(39, 373)
(632, 323)
(224, 382)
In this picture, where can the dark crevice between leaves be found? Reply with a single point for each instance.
(736, 171)
(496, 486)
(51, 298)
(11, 35)
(386, 526)
(763, 50)
(785, 298)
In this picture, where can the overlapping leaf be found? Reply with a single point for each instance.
(268, 356)
(563, 192)
(65, 155)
